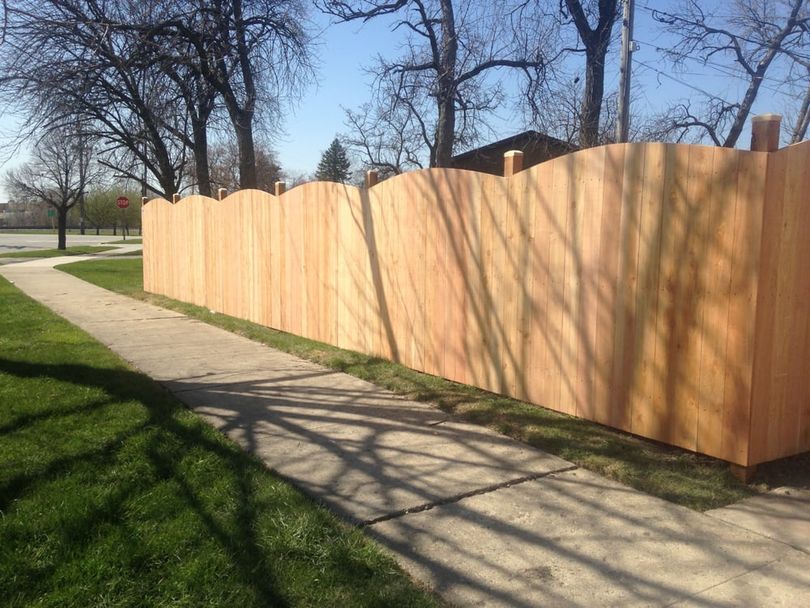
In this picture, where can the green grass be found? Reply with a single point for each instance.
(138, 253)
(112, 494)
(131, 241)
(682, 477)
(55, 253)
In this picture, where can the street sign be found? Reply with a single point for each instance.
(51, 212)
(122, 202)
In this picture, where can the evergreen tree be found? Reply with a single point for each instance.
(334, 165)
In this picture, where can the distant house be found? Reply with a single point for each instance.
(536, 148)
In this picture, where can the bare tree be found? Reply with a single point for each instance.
(198, 99)
(387, 140)
(246, 52)
(748, 38)
(147, 76)
(57, 175)
(66, 61)
(596, 40)
(224, 167)
(445, 79)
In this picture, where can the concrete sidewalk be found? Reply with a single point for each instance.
(480, 518)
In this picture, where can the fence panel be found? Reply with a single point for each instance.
(660, 289)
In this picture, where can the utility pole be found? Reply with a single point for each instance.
(623, 119)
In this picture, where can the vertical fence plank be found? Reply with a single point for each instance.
(767, 328)
(544, 225)
(606, 279)
(697, 275)
(792, 294)
(644, 420)
(799, 440)
(625, 353)
(745, 256)
(561, 263)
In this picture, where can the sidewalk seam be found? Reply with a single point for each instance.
(760, 534)
(697, 594)
(458, 497)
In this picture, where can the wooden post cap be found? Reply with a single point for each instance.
(281, 188)
(765, 132)
(372, 177)
(175, 198)
(766, 118)
(222, 193)
(144, 200)
(512, 162)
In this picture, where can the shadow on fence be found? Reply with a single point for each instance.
(621, 284)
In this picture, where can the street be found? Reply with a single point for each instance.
(22, 242)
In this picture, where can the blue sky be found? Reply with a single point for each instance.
(345, 49)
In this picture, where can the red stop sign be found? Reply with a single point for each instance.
(122, 202)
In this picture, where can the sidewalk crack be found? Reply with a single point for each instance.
(458, 497)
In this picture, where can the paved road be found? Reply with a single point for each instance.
(481, 519)
(23, 242)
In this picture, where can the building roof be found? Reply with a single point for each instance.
(516, 142)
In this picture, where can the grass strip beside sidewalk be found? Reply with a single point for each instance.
(56, 253)
(135, 240)
(113, 494)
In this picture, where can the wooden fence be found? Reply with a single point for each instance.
(656, 288)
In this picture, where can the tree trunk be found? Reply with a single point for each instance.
(201, 159)
(61, 230)
(596, 41)
(445, 133)
(802, 120)
(243, 125)
(446, 125)
(81, 214)
(591, 109)
(744, 109)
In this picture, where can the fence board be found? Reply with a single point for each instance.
(625, 351)
(645, 417)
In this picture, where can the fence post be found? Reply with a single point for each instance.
(372, 177)
(765, 132)
(281, 188)
(512, 162)
(175, 198)
(144, 200)
(222, 193)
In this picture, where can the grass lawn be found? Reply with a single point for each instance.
(55, 253)
(132, 241)
(138, 253)
(683, 477)
(113, 494)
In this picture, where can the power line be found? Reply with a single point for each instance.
(732, 73)
(683, 82)
(760, 43)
